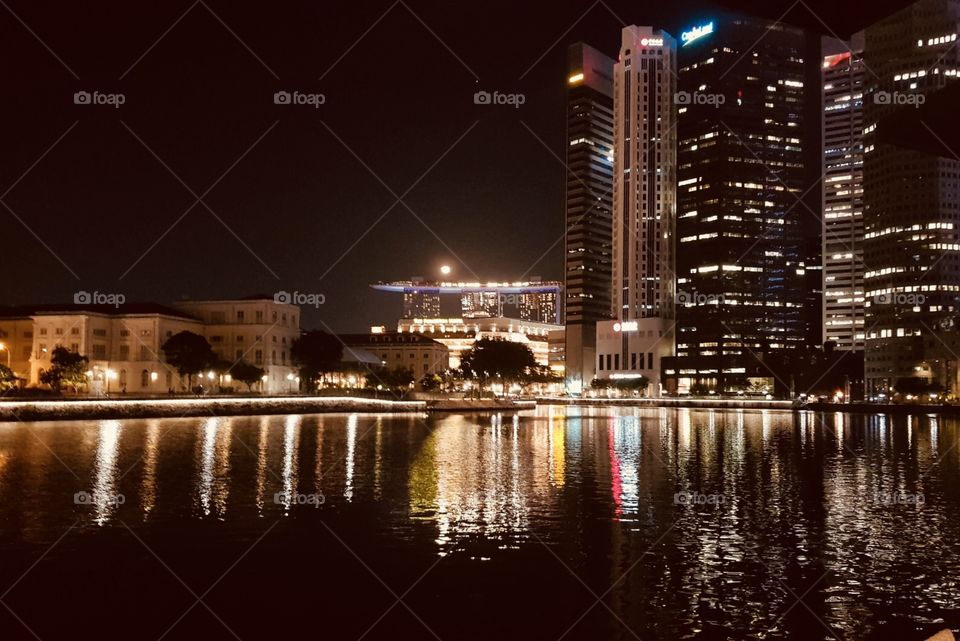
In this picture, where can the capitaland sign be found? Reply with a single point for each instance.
(696, 33)
(625, 326)
(652, 42)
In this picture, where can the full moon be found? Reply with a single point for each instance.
(445, 270)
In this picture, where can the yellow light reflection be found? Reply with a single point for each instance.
(148, 487)
(214, 485)
(291, 444)
(105, 497)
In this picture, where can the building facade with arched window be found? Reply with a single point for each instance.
(124, 343)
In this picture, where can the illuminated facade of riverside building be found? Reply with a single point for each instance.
(459, 334)
(526, 312)
(911, 204)
(124, 343)
(589, 200)
(843, 76)
(644, 210)
(748, 227)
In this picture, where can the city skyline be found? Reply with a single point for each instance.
(407, 319)
(76, 172)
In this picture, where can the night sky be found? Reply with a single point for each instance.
(299, 197)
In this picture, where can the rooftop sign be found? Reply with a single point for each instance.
(696, 33)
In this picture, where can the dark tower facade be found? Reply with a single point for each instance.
(588, 222)
(911, 218)
(748, 224)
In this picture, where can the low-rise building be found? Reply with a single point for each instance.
(258, 330)
(459, 334)
(418, 353)
(16, 336)
(631, 349)
(124, 343)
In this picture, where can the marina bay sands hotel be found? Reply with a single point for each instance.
(527, 312)
(537, 301)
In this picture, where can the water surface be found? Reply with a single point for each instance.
(559, 523)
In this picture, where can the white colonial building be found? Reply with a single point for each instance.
(123, 343)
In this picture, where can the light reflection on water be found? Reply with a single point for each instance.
(795, 497)
(213, 486)
(291, 441)
(104, 494)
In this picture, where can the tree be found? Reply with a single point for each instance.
(699, 389)
(540, 374)
(8, 379)
(497, 357)
(247, 373)
(66, 369)
(916, 385)
(315, 353)
(398, 378)
(189, 353)
(638, 383)
(431, 382)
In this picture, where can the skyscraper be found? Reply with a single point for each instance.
(843, 83)
(421, 302)
(748, 200)
(644, 208)
(539, 306)
(588, 204)
(911, 205)
(480, 304)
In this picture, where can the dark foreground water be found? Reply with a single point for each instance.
(564, 523)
